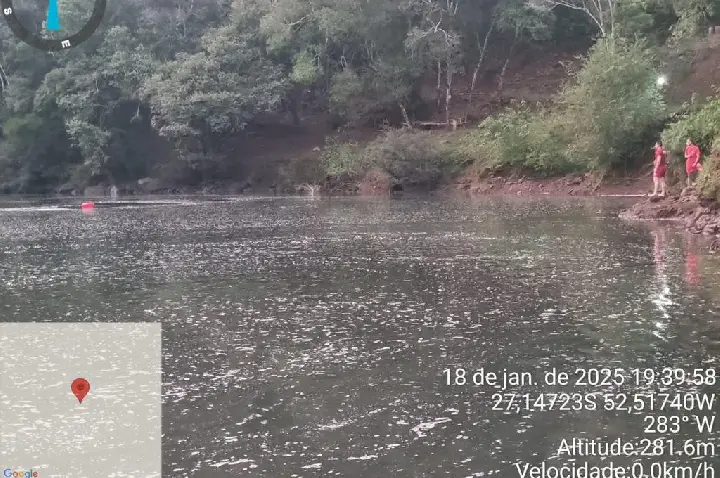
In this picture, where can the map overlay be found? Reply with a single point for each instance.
(114, 431)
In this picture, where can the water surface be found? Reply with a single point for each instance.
(309, 337)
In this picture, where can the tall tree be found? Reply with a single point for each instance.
(601, 12)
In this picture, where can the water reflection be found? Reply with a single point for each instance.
(662, 295)
(692, 266)
(659, 245)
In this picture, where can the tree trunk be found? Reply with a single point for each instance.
(479, 64)
(448, 91)
(501, 78)
(405, 115)
(439, 86)
(3, 80)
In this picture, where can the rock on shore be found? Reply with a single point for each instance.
(705, 220)
(699, 216)
(673, 208)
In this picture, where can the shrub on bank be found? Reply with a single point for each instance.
(519, 140)
(342, 159)
(703, 126)
(603, 121)
(615, 107)
(411, 157)
(414, 157)
(709, 178)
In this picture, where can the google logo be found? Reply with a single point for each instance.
(8, 473)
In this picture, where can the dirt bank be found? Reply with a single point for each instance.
(379, 183)
(570, 185)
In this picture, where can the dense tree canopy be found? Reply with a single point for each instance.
(197, 72)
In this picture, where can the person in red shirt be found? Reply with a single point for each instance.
(692, 161)
(659, 169)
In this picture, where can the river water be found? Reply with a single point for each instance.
(313, 337)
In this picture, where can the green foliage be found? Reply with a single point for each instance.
(702, 126)
(368, 97)
(708, 182)
(342, 159)
(615, 106)
(215, 91)
(29, 154)
(634, 21)
(520, 20)
(694, 16)
(349, 96)
(520, 139)
(601, 121)
(198, 72)
(92, 142)
(305, 70)
(413, 157)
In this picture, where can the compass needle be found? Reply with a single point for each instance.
(53, 17)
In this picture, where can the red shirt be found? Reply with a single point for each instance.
(692, 158)
(660, 156)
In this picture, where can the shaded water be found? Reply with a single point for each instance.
(310, 338)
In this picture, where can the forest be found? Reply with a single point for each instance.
(170, 87)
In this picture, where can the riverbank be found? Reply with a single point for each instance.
(378, 183)
(697, 215)
(316, 157)
(570, 185)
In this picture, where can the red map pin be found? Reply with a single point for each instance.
(80, 387)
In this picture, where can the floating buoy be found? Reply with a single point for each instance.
(87, 206)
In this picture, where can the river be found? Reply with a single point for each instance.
(314, 337)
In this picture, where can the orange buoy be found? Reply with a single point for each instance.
(87, 205)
